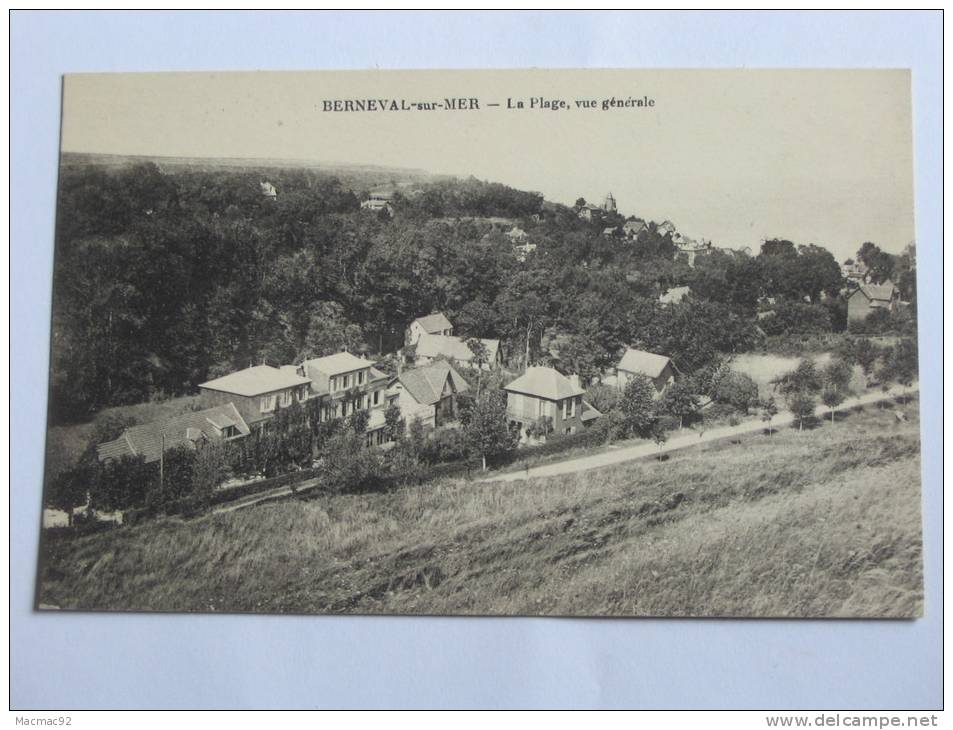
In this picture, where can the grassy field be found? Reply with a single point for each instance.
(822, 523)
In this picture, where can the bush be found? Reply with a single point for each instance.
(718, 412)
(123, 483)
(737, 390)
(348, 466)
(602, 397)
(444, 444)
(797, 317)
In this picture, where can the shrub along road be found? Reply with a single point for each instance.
(691, 438)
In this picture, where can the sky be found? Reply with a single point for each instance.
(735, 156)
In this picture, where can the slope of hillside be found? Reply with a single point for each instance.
(821, 523)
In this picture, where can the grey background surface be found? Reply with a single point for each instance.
(76, 661)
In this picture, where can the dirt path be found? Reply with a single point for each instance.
(262, 497)
(646, 449)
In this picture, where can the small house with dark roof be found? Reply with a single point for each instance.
(257, 391)
(869, 298)
(192, 429)
(657, 368)
(544, 396)
(430, 348)
(428, 394)
(433, 324)
(632, 228)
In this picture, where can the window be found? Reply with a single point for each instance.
(347, 382)
(377, 397)
(569, 408)
(360, 377)
(343, 409)
(333, 383)
(267, 403)
(303, 394)
(285, 398)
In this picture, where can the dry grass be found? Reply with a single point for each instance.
(821, 523)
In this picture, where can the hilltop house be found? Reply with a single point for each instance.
(256, 391)
(691, 248)
(545, 398)
(149, 440)
(632, 228)
(516, 234)
(268, 190)
(431, 347)
(428, 394)
(658, 368)
(854, 271)
(665, 228)
(378, 201)
(675, 294)
(871, 297)
(590, 212)
(523, 251)
(433, 324)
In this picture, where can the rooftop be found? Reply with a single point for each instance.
(880, 292)
(453, 347)
(339, 362)
(256, 380)
(639, 361)
(543, 382)
(426, 384)
(434, 323)
(148, 439)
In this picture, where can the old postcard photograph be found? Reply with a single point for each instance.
(524, 343)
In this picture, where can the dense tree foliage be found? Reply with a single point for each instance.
(164, 279)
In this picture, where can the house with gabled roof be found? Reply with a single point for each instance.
(868, 298)
(433, 324)
(257, 391)
(211, 425)
(657, 368)
(435, 347)
(543, 399)
(632, 228)
(428, 394)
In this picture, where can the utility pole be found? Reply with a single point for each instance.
(161, 462)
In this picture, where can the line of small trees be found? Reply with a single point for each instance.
(803, 386)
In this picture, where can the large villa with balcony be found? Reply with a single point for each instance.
(349, 383)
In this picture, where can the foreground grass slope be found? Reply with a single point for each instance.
(826, 522)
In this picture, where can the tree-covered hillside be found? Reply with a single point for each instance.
(165, 277)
